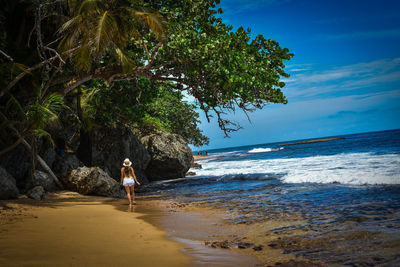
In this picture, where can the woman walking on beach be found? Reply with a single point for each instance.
(128, 180)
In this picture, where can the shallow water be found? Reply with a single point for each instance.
(340, 200)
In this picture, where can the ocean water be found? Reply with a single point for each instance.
(345, 189)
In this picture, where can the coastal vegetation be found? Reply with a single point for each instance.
(129, 63)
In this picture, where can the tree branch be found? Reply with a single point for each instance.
(35, 67)
(6, 56)
(41, 161)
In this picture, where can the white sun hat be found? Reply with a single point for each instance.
(127, 162)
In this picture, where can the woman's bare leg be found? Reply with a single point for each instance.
(132, 187)
(128, 194)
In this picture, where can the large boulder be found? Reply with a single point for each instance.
(107, 148)
(8, 188)
(17, 163)
(171, 157)
(44, 180)
(93, 181)
(37, 193)
(47, 152)
(64, 164)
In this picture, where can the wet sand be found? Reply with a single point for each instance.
(196, 228)
(197, 157)
(68, 229)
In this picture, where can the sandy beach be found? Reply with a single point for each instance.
(68, 229)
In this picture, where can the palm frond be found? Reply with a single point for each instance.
(154, 21)
(90, 7)
(42, 133)
(106, 29)
(54, 102)
(104, 26)
(88, 123)
(71, 38)
(126, 62)
(83, 59)
(70, 24)
(87, 97)
(20, 67)
(73, 6)
(45, 113)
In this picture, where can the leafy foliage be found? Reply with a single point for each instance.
(223, 70)
(177, 116)
(32, 119)
(134, 61)
(152, 108)
(100, 27)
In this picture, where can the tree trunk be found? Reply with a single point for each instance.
(78, 103)
(44, 165)
(41, 161)
(33, 158)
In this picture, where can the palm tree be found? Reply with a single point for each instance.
(106, 27)
(30, 122)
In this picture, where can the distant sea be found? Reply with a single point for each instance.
(349, 186)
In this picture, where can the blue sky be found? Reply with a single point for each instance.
(345, 75)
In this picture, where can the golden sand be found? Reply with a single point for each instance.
(68, 229)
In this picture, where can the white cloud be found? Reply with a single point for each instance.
(343, 79)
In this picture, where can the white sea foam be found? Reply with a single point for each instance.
(266, 149)
(352, 168)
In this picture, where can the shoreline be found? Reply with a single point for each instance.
(210, 229)
(67, 228)
(197, 157)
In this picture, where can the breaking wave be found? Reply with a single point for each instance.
(350, 168)
(267, 149)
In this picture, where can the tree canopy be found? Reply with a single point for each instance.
(136, 58)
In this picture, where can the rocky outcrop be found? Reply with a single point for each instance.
(93, 181)
(70, 128)
(17, 164)
(108, 147)
(196, 165)
(171, 157)
(64, 164)
(44, 180)
(8, 188)
(48, 154)
(37, 193)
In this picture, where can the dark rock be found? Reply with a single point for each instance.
(8, 188)
(37, 193)
(67, 132)
(48, 154)
(93, 181)
(273, 245)
(63, 165)
(44, 180)
(219, 244)
(258, 248)
(71, 127)
(244, 245)
(171, 157)
(196, 165)
(17, 164)
(108, 147)
(190, 173)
